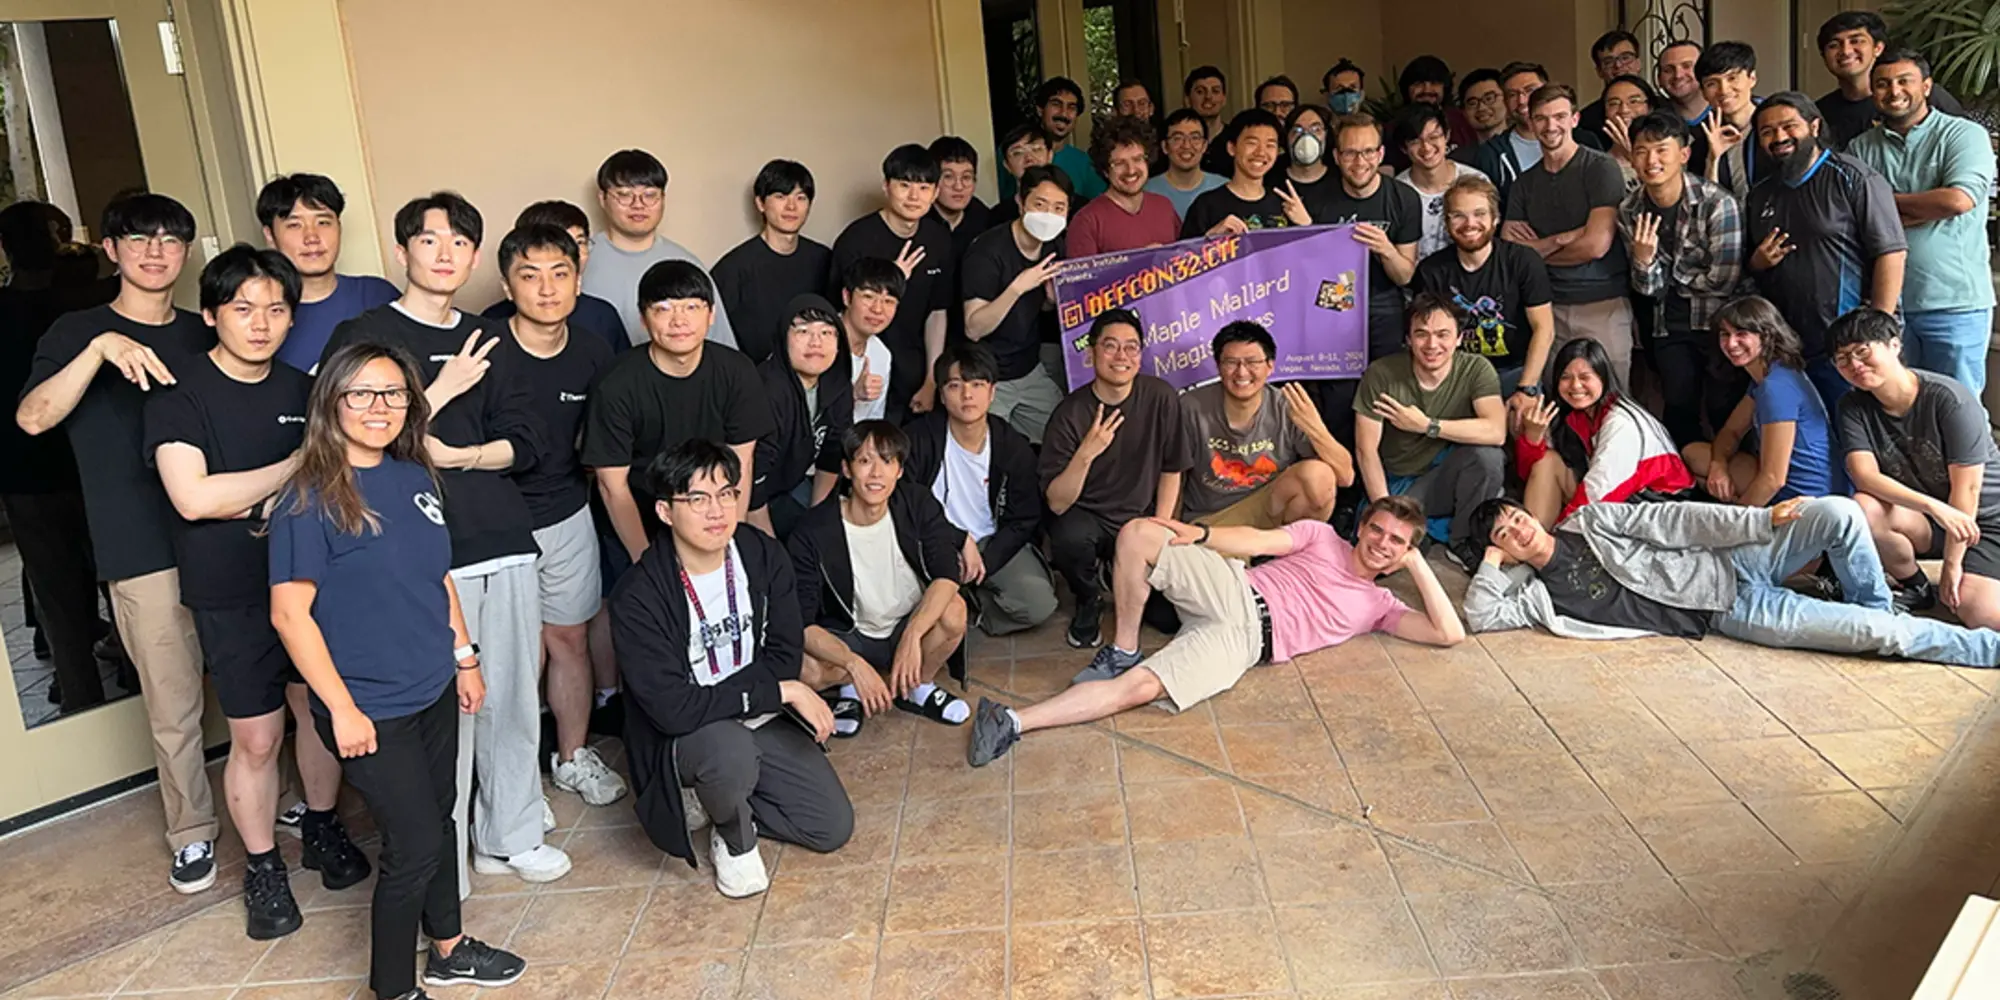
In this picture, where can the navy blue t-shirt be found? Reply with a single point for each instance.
(381, 604)
(591, 314)
(313, 322)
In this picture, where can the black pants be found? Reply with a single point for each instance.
(774, 775)
(1080, 543)
(54, 541)
(1695, 383)
(409, 784)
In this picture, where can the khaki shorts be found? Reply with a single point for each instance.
(1252, 511)
(1221, 633)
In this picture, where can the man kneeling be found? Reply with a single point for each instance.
(717, 726)
(1686, 569)
(1317, 592)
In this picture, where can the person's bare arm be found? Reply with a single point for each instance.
(1541, 338)
(1439, 624)
(492, 456)
(746, 453)
(1588, 243)
(200, 496)
(1233, 541)
(983, 316)
(1401, 265)
(1885, 284)
(1489, 427)
(1774, 462)
(823, 484)
(1933, 205)
(1368, 455)
(51, 402)
(934, 328)
(1167, 495)
(305, 645)
(626, 519)
(827, 648)
(1966, 481)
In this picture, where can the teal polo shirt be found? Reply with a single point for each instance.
(1949, 265)
(1074, 162)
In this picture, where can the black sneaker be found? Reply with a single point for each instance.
(1918, 596)
(194, 868)
(289, 820)
(329, 852)
(416, 994)
(473, 961)
(1086, 629)
(270, 910)
(993, 734)
(1466, 554)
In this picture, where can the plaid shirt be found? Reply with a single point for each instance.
(1708, 258)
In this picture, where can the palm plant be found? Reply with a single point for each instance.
(1961, 38)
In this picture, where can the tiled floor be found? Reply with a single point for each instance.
(1521, 818)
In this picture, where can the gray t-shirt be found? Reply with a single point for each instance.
(1226, 464)
(613, 275)
(1945, 427)
(1562, 201)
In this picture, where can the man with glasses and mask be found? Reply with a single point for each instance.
(632, 190)
(1184, 180)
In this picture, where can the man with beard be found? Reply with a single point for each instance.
(1058, 102)
(1676, 80)
(1849, 43)
(1823, 233)
(1941, 168)
(1503, 288)
(774, 266)
(1128, 217)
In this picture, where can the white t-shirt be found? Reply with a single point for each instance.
(886, 589)
(962, 487)
(719, 631)
(1435, 236)
(878, 357)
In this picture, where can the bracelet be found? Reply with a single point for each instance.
(1203, 540)
(474, 665)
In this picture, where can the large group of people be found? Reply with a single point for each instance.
(1634, 366)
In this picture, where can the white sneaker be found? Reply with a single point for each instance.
(697, 817)
(548, 815)
(545, 863)
(587, 775)
(737, 875)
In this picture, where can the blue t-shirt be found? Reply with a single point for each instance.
(313, 322)
(592, 315)
(1786, 394)
(381, 604)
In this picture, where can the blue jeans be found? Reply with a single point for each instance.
(1769, 615)
(1950, 342)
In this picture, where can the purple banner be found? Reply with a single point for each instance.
(1308, 286)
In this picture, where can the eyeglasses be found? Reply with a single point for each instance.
(1185, 139)
(1117, 347)
(645, 197)
(1242, 364)
(1430, 138)
(1619, 60)
(141, 241)
(1489, 101)
(364, 399)
(1848, 357)
(1358, 154)
(701, 502)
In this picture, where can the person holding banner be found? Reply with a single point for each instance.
(1430, 425)
(1005, 274)
(1246, 202)
(1261, 456)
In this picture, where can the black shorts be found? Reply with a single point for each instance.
(245, 658)
(879, 653)
(1982, 559)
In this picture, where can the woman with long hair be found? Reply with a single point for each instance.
(1588, 444)
(1778, 442)
(361, 595)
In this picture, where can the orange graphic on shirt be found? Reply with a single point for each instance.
(1237, 472)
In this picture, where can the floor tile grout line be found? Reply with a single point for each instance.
(1007, 877)
(895, 854)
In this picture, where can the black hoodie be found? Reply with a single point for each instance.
(663, 702)
(825, 575)
(799, 443)
(1013, 487)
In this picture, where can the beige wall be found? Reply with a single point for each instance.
(1766, 25)
(1319, 33)
(1476, 35)
(462, 94)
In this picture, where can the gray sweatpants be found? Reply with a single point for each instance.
(1016, 597)
(773, 779)
(503, 611)
(1468, 475)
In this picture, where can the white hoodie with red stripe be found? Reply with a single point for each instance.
(1630, 452)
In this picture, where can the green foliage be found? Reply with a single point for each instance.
(1100, 54)
(1383, 109)
(1961, 38)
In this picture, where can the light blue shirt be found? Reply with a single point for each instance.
(1527, 152)
(1184, 199)
(1949, 265)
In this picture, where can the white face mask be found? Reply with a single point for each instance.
(1044, 226)
(1306, 149)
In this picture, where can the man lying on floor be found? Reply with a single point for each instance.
(1316, 592)
(1686, 569)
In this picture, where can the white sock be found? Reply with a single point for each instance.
(956, 712)
(604, 696)
(1122, 649)
(850, 691)
(847, 727)
(1016, 717)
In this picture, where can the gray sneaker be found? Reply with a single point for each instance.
(1109, 662)
(993, 733)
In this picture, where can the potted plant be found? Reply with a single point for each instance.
(1962, 40)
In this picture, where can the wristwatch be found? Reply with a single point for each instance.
(1203, 540)
(469, 651)
(1432, 430)
(1529, 389)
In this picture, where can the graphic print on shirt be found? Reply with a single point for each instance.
(1919, 460)
(428, 503)
(1489, 324)
(1231, 463)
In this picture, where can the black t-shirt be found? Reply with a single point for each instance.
(29, 463)
(559, 387)
(991, 264)
(1211, 207)
(131, 522)
(1840, 219)
(1397, 210)
(1496, 297)
(757, 282)
(1580, 588)
(237, 427)
(1152, 441)
(640, 411)
(972, 225)
(1679, 313)
(1846, 118)
(930, 288)
(591, 315)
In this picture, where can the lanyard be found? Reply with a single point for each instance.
(736, 638)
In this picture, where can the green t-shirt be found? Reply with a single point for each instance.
(1403, 453)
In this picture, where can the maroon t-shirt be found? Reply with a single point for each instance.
(1103, 227)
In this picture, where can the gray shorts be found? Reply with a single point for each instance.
(568, 570)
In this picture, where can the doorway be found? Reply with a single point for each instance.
(1097, 43)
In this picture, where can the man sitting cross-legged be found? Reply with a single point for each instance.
(1616, 570)
(1261, 455)
(1317, 592)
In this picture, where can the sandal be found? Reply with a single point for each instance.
(844, 710)
(933, 707)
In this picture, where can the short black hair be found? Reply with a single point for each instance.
(1520, 66)
(1487, 514)
(1184, 115)
(975, 363)
(29, 234)
(1121, 130)
(670, 280)
(911, 163)
(1484, 74)
(1722, 57)
(533, 236)
(459, 214)
(888, 440)
(1654, 126)
(1427, 302)
(1424, 69)
(1807, 108)
(287, 191)
(1127, 84)
(1345, 65)
(631, 168)
(672, 471)
(554, 212)
(1110, 317)
(147, 214)
(1677, 44)
(1409, 123)
(873, 274)
(1044, 173)
(1200, 73)
(1634, 80)
(223, 276)
(1849, 20)
(780, 177)
(1610, 40)
(1253, 118)
(1243, 332)
(1865, 325)
(1024, 132)
(953, 149)
(1053, 86)
(1281, 80)
(1903, 54)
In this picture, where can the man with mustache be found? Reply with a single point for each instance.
(1849, 43)
(1058, 102)
(1941, 168)
(1822, 231)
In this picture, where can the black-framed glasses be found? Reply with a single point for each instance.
(364, 399)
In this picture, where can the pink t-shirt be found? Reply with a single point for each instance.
(1102, 227)
(1315, 597)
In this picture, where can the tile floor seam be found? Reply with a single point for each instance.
(1007, 877)
(895, 854)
